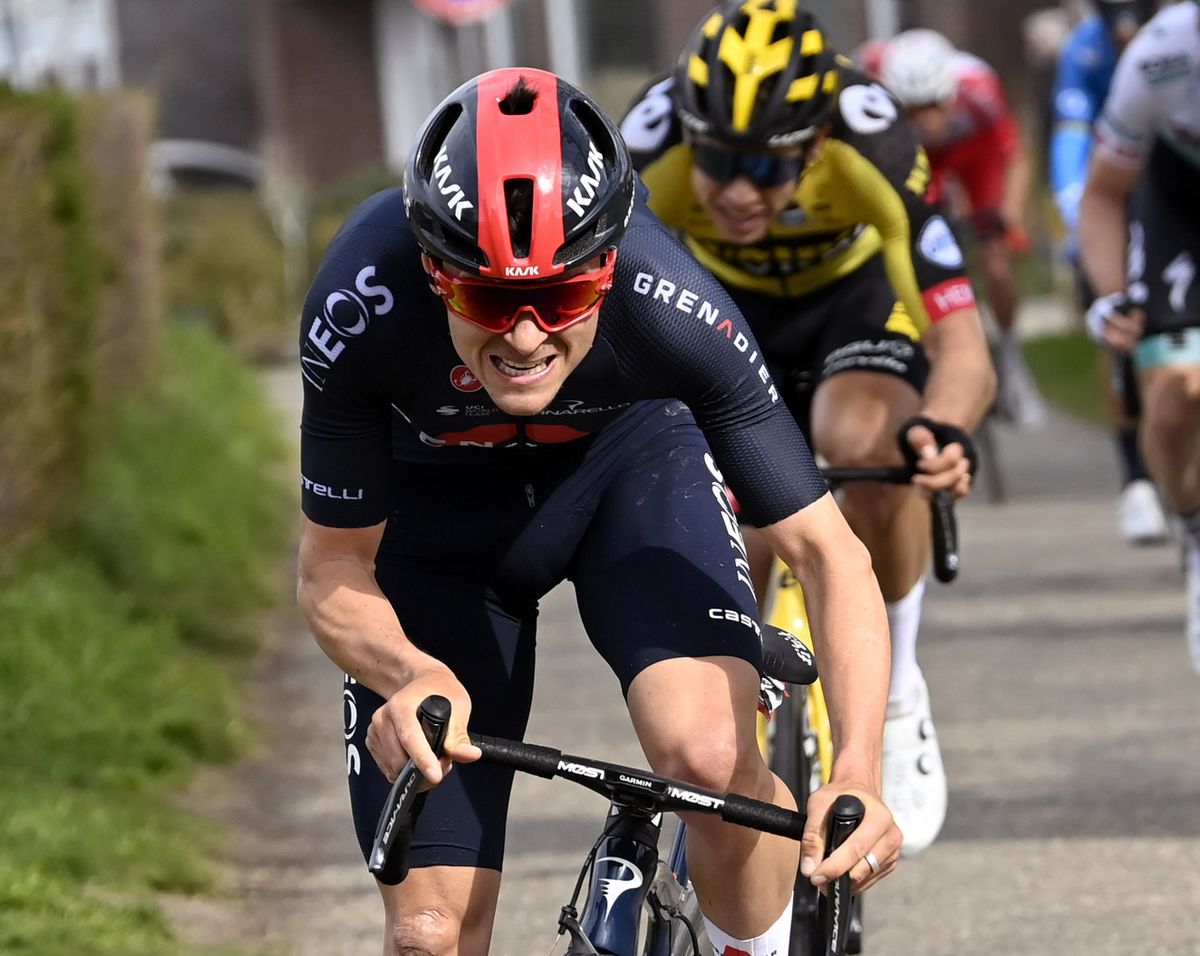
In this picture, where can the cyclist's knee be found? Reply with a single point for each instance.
(1171, 401)
(710, 757)
(851, 445)
(426, 931)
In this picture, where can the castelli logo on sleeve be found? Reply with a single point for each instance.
(464, 379)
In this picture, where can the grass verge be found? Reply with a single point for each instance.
(116, 660)
(1067, 369)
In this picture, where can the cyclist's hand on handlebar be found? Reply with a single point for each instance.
(942, 456)
(395, 734)
(877, 834)
(1114, 321)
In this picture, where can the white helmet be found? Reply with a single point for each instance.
(918, 66)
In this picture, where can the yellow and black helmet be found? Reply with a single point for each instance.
(755, 74)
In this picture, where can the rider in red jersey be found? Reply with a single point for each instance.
(957, 103)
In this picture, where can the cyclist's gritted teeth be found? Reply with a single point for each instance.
(525, 369)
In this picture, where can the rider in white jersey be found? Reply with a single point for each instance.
(1154, 91)
(1140, 240)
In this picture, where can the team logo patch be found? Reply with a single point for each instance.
(938, 245)
(464, 379)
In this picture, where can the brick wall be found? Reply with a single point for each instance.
(318, 84)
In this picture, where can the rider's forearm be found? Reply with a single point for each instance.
(356, 626)
(850, 632)
(1102, 239)
(962, 379)
(1018, 176)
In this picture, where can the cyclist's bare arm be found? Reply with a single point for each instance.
(1018, 177)
(962, 378)
(1102, 220)
(1102, 239)
(961, 387)
(853, 647)
(357, 628)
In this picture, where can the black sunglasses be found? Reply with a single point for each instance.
(762, 169)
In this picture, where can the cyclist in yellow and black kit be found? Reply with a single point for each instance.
(797, 181)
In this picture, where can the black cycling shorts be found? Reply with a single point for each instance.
(852, 325)
(1164, 243)
(635, 516)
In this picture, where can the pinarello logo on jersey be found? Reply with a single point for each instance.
(464, 379)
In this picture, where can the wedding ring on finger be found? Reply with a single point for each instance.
(872, 861)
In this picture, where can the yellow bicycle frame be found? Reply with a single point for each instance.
(785, 608)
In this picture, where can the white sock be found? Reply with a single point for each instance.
(904, 619)
(774, 942)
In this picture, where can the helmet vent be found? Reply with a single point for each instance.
(594, 125)
(519, 100)
(518, 200)
(436, 136)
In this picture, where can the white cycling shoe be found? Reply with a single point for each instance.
(914, 781)
(1140, 517)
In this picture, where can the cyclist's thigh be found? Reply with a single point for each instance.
(457, 619)
(661, 573)
(437, 564)
(872, 371)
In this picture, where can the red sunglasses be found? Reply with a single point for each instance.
(555, 304)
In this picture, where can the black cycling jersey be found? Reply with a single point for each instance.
(383, 382)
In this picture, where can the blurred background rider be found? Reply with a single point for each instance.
(981, 170)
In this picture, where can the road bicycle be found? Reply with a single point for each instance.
(636, 903)
(798, 740)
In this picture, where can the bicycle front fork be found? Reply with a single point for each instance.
(622, 874)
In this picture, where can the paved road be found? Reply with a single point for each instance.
(1068, 715)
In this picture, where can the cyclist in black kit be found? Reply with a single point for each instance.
(495, 367)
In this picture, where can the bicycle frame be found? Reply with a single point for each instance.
(627, 874)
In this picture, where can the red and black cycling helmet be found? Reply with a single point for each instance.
(517, 174)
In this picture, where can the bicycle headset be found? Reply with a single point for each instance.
(518, 175)
(756, 74)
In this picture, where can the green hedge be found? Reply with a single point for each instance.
(77, 307)
(120, 636)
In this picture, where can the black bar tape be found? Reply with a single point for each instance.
(763, 816)
(945, 537)
(529, 758)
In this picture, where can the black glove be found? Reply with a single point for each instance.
(943, 434)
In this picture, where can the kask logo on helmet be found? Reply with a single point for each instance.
(589, 182)
(456, 196)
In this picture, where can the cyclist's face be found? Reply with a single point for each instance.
(932, 121)
(523, 369)
(742, 210)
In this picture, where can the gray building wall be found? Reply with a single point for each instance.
(195, 56)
